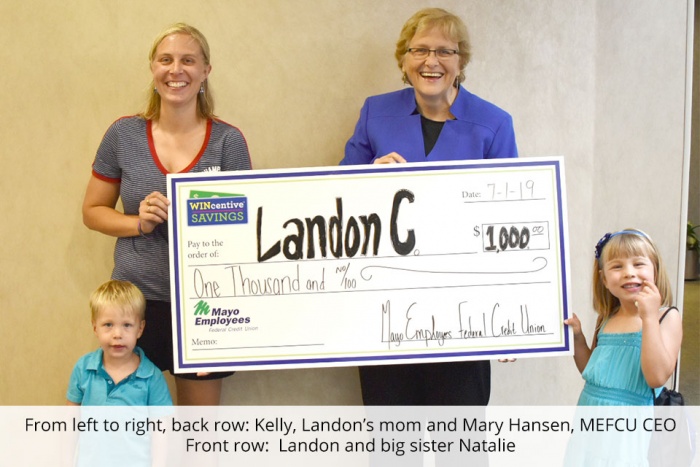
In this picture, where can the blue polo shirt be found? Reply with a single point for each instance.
(91, 385)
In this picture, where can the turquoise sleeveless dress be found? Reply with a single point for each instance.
(614, 383)
(614, 372)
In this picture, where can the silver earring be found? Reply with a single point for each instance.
(201, 88)
(155, 90)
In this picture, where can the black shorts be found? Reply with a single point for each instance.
(157, 341)
(445, 383)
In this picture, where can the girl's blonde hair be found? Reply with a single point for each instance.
(624, 244)
(205, 100)
(121, 294)
(450, 25)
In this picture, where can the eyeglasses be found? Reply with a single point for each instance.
(422, 52)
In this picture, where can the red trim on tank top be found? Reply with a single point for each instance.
(156, 159)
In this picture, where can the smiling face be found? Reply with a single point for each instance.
(117, 330)
(179, 68)
(433, 78)
(627, 246)
(624, 276)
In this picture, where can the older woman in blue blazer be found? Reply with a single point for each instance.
(436, 119)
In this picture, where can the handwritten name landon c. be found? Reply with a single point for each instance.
(346, 244)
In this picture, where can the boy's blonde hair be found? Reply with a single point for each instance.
(624, 244)
(122, 294)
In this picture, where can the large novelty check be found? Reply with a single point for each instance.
(369, 265)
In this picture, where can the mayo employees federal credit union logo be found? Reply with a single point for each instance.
(211, 208)
(201, 308)
(205, 315)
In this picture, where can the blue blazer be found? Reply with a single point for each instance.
(391, 123)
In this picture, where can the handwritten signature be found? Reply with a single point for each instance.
(416, 324)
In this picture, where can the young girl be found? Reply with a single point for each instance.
(633, 348)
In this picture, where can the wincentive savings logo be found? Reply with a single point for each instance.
(211, 208)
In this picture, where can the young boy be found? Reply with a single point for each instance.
(118, 373)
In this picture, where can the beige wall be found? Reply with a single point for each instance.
(694, 186)
(600, 82)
